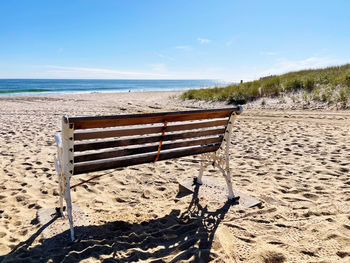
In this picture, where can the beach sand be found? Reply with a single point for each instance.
(295, 161)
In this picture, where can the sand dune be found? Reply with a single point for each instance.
(296, 162)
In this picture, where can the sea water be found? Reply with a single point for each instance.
(26, 87)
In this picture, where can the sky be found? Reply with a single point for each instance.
(178, 39)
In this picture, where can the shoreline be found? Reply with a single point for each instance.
(30, 87)
(34, 94)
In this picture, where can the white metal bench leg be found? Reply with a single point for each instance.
(201, 169)
(228, 181)
(221, 159)
(68, 162)
(69, 206)
(61, 185)
(59, 169)
(226, 171)
(231, 195)
(60, 182)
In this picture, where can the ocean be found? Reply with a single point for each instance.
(27, 87)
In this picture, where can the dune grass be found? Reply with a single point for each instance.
(329, 85)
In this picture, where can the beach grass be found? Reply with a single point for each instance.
(329, 85)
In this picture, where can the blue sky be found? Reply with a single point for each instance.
(130, 39)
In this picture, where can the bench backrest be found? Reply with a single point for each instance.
(106, 142)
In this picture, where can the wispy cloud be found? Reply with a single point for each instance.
(164, 56)
(83, 72)
(183, 47)
(283, 65)
(203, 40)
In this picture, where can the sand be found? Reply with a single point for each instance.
(295, 161)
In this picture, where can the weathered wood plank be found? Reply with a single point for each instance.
(140, 150)
(151, 139)
(135, 119)
(83, 135)
(112, 163)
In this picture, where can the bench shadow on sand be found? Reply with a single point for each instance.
(174, 237)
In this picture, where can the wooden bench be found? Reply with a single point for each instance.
(91, 144)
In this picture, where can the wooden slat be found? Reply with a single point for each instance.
(116, 133)
(147, 149)
(135, 119)
(83, 135)
(111, 163)
(151, 139)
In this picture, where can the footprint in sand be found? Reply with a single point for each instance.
(347, 227)
(309, 253)
(343, 254)
(31, 206)
(13, 240)
(20, 198)
(247, 240)
(311, 196)
(319, 188)
(344, 169)
(280, 178)
(278, 243)
(120, 200)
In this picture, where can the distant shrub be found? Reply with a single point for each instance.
(323, 79)
(309, 85)
(347, 81)
(294, 85)
(237, 101)
(237, 98)
(190, 95)
(306, 97)
(271, 86)
(315, 95)
(326, 95)
(252, 90)
(343, 98)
